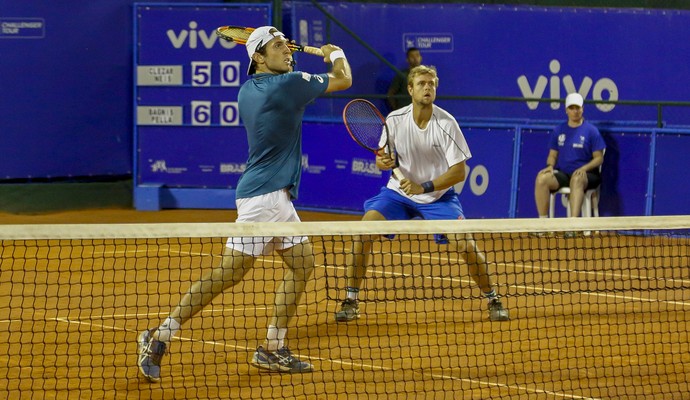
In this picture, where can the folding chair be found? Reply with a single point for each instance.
(590, 204)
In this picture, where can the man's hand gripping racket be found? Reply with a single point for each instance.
(366, 125)
(240, 35)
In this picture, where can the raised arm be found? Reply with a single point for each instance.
(340, 77)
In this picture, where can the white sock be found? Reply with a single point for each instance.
(275, 338)
(543, 216)
(167, 330)
(352, 293)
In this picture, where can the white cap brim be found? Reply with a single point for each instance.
(259, 38)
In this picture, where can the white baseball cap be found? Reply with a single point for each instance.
(574, 99)
(258, 38)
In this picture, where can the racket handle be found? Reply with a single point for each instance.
(314, 51)
(397, 174)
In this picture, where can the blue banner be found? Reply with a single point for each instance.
(187, 127)
(518, 52)
(486, 191)
(65, 105)
(339, 174)
(336, 172)
(671, 189)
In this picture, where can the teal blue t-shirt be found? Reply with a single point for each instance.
(271, 108)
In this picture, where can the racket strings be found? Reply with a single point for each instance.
(240, 35)
(364, 124)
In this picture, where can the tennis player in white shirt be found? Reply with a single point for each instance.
(431, 152)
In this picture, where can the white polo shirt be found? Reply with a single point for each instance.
(425, 154)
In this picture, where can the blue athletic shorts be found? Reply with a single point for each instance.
(395, 207)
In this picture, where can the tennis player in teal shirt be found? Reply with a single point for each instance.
(271, 106)
(274, 126)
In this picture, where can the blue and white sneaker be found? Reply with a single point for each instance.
(349, 311)
(150, 352)
(281, 361)
(497, 312)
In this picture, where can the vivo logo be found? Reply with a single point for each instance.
(478, 178)
(194, 37)
(554, 82)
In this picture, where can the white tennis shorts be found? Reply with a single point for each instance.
(271, 207)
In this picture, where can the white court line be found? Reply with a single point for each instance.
(545, 290)
(384, 273)
(608, 275)
(352, 364)
(603, 275)
(537, 288)
(598, 273)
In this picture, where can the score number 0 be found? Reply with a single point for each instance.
(202, 72)
(202, 109)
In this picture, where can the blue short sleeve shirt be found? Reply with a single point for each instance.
(575, 146)
(271, 108)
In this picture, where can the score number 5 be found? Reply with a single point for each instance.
(202, 72)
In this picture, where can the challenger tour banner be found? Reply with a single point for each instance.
(515, 51)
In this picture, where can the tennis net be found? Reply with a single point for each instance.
(598, 310)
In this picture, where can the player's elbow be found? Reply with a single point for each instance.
(341, 82)
(347, 82)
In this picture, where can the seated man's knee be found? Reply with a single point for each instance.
(577, 182)
(546, 181)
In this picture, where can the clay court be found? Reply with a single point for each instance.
(598, 317)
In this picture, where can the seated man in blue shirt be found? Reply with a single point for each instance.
(576, 150)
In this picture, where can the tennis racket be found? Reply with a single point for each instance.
(365, 124)
(240, 35)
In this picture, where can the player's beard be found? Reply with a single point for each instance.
(426, 100)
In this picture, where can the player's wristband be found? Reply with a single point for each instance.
(428, 186)
(336, 55)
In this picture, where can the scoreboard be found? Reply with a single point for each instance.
(187, 130)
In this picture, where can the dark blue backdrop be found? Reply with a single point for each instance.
(513, 51)
(69, 103)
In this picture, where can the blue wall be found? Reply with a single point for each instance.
(516, 52)
(65, 88)
(69, 106)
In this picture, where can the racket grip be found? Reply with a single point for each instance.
(397, 174)
(314, 51)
